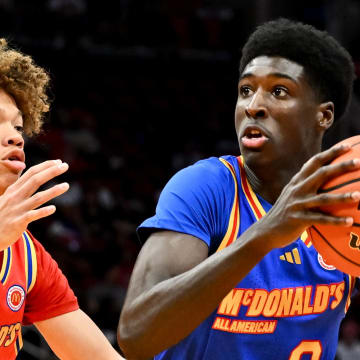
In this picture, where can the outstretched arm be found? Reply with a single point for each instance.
(175, 286)
(74, 336)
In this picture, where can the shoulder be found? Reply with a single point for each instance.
(208, 181)
(210, 171)
(35, 246)
(49, 293)
(213, 165)
(42, 263)
(196, 201)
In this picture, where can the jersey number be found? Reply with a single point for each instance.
(312, 347)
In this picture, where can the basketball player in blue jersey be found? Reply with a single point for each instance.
(227, 270)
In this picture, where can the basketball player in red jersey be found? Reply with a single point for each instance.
(33, 290)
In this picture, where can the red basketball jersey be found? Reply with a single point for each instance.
(32, 289)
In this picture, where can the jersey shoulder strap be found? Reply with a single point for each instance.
(234, 219)
(30, 261)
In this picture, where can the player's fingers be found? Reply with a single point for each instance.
(328, 172)
(30, 186)
(44, 196)
(317, 218)
(322, 159)
(36, 169)
(40, 213)
(329, 199)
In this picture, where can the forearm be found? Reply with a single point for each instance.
(170, 310)
(75, 336)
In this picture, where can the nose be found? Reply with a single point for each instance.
(14, 138)
(256, 108)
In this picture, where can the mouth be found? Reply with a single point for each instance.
(253, 137)
(15, 155)
(15, 160)
(251, 133)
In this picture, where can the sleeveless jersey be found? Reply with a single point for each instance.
(19, 277)
(291, 303)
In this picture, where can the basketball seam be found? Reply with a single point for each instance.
(338, 252)
(355, 144)
(338, 186)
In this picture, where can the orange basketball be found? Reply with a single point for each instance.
(340, 245)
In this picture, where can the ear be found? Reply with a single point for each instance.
(325, 115)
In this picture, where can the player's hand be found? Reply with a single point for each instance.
(20, 203)
(297, 206)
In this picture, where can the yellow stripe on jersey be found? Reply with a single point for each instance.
(250, 195)
(10, 263)
(26, 254)
(255, 204)
(30, 261)
(305, 239)
(7, 261)
(34, 265)
(4, 264)
(234, 220)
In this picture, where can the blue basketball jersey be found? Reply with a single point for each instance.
(291, 303)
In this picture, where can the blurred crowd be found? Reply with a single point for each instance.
(140, 90)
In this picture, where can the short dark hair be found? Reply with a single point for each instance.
(328, 66)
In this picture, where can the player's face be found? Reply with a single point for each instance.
(12, 157)
(276, 113)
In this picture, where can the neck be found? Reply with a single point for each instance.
(268, 188)
(269, 181)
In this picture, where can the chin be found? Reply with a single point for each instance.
(257, 156)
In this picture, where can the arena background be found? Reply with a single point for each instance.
(140, 89)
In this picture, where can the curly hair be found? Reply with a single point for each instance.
(329, 68)
(27, 83)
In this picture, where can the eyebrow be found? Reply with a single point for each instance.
(275, 74)
(17, 115)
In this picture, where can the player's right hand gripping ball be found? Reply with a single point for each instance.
(340, 245)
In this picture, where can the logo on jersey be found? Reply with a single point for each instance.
(324, 265)
(292, 257)
(15, 297)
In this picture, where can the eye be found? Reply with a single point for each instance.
(19, 128)
(245, 91)
(280, 91)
